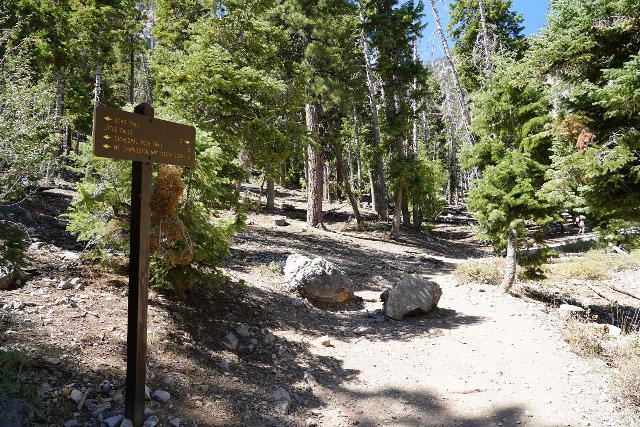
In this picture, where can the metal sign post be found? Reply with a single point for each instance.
(144, 140)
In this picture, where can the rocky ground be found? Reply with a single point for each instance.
(250, 353)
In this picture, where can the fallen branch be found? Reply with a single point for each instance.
(600, 294)
(622, 291)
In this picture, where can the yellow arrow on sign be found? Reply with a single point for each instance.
(106, 146)
(107, 137)
(107, 118)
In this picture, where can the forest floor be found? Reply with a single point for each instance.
(482, 358)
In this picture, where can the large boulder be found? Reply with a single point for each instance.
(410, 295)
(317, 279)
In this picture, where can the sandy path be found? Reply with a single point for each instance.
(497, 360)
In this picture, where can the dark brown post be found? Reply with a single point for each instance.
(138, 284)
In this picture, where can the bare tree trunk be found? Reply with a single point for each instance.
(57, 115)
(379, 188)
(271, 194)
(485, 37)
(132, 67)
(456, 81)
(415, 101)
(98, 85)
(346, 184)
(352, 178)
(453, 168)
(315, 167)
(510, 264)
(326, 186)
(358, 157)
(397, 213)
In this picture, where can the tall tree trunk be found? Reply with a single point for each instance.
(406, 217)
(271, 194)
(358, 157)
(345, 183)
(379, 188)
(414, 102)
(57, 114)
(485, 38)
(397, 213)
(454, 74)
(326, 186)
(315, 167)
(417, 217)
(511, 261)
(98, 85)
(132, 68)
(352, 178)
(453, 168)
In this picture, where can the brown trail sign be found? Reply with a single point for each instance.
(144, 140)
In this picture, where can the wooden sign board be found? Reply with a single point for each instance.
(119, 134)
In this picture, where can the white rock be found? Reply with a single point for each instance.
(566, 311)
(76, 395)
(161, 396)
(364, 330)
(152, 421)
(64, 284)
(409, 295)
(230, 341)
(294, 263)
(112, 421)
(282, 400)
(318, 280)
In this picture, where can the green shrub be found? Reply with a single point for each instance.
(189, 236)
(486, 272)
(13, 244)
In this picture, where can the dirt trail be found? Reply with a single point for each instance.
(483, 358)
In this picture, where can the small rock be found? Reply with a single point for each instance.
(71, 423)
(230, 341)
(170, 381)
(297, 302)
(224, 365)
(126, 423)
(326, 341)
(64, 284)
(281, 221)
(112, 421)
(243, 330)
(282, 400)
(614, 331)
(100, 409)
(69, 256)
(268, 338)
(161, 396)
(175, 422)
(310, 379)
(364, 330)
(76, 395)
(147, 392)
(152, 421)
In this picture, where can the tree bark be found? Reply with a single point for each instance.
(271, 194)
(397, 213)
(358, 157)
(315, 167)
(346, 184)
(453, 168)
(98, 85)
(57, 114)
(510, 264)
(485, 38)
(379, 188)
(414, 103)
(456, 81)
(406, 217)
(326, 186)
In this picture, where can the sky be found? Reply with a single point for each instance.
(533, 11)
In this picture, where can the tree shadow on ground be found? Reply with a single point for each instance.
(409, 408)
